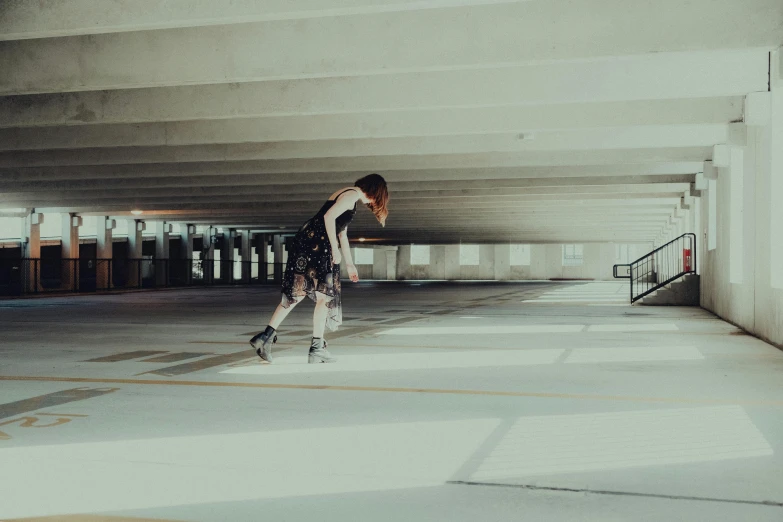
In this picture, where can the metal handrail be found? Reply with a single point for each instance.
(663, 265)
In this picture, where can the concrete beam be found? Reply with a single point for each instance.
(402, 191)
(249, 174)
(286, 209)
(222, 108)
(233, 155)
(703, 135)
(215, 54)
(22, 20)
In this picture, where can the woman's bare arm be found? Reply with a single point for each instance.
(346, 247)
(344, 202)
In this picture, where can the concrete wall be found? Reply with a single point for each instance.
(754, 303)
(494, 263)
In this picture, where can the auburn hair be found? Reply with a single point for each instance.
(374, 187)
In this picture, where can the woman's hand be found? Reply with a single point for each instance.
(337, 257)
(353, 273)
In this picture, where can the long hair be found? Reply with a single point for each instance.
(374, 186)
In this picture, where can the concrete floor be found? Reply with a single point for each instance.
(537, 401)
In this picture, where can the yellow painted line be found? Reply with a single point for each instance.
(359, 344)
(88, 518)
(63, 414)
(322, 387)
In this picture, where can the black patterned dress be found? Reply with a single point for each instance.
(310, 269)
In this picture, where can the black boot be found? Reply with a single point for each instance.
(263, 343)
(319, 353)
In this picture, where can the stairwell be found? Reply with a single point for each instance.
(682, 292)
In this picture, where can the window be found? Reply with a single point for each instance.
(520, 255)
(469, 255)
(573, 255)
(363, 256)
(420, 254)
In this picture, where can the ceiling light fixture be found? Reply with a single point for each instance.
(137, 212)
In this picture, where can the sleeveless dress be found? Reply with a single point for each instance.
(310, 269)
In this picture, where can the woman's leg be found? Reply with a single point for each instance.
(318, 352)
(282, 312)
(263, 341)
(319, 314)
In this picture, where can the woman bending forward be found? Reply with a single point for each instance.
(313, 267)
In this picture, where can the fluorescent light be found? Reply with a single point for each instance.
(137, 212)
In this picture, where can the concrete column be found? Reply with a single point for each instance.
(438, 262)
(227, 256)
(503, 262)
(104, 252)
(379, 263)
(244, 253)
(70, 251)
(70, 236)
(262, 242)
(486, 261)
(402, 260)
(277, 251)
(31, 237)
(391, 264)
(135, 230)
(538, 262)
(452, 270)
(162, 253)
(186, 232)
(207, 255)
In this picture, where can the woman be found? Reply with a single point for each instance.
(313, 267)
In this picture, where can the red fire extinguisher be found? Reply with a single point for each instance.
(686, 260)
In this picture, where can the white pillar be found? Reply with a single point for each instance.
(104, 252)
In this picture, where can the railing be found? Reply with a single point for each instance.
(660, 267)
(37, 276)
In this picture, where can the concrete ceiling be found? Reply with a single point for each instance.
(525, 121)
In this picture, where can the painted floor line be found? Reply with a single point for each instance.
(770, 503)
(327, 387)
